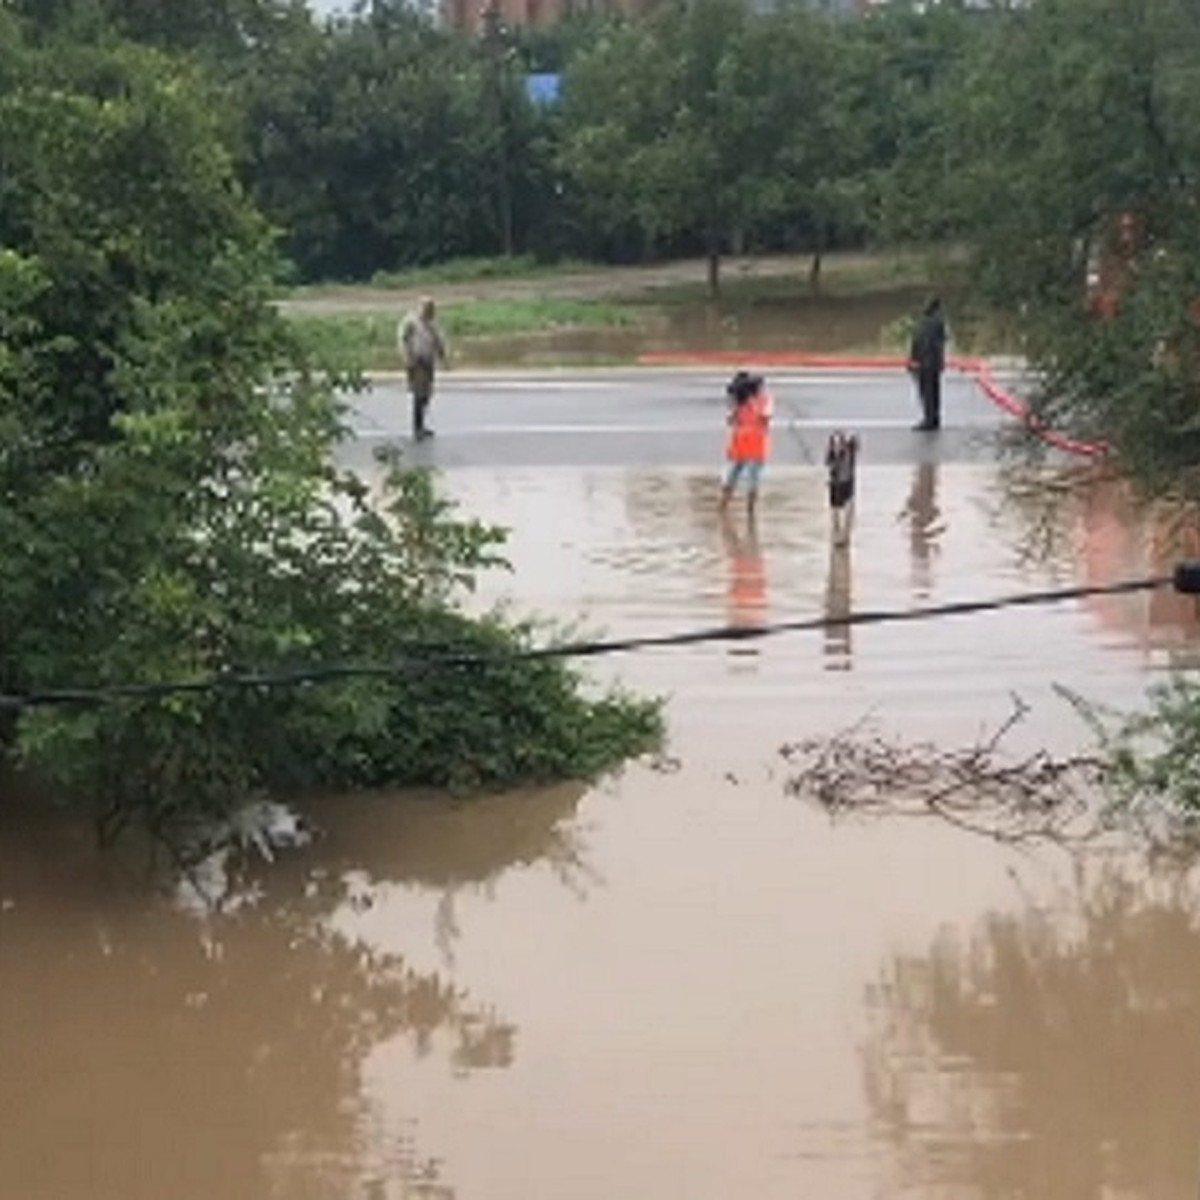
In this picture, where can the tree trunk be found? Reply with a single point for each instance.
(818, 260)
(506, 206)
(504, 201)
(497, 78)
(814, 272)
(714, 267)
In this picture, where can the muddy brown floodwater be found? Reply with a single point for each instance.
(826, 324)
(670, 985)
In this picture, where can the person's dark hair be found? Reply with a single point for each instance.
(743, 385)
(934, 305)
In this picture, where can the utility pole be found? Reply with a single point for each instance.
(497, 58)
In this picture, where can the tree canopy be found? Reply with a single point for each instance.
(1076, 154)
(377, 140)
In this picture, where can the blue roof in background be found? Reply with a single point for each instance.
(543, 88)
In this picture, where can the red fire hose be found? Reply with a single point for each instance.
(979, 369)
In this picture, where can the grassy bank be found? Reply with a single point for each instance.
(500, 318)
(865, 304)
(845, 274)
(452, 272)
(369, 339)
(472, 270)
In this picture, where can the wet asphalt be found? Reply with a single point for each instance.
(656, 417)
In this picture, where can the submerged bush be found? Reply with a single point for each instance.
(461, 709)
(1154, 757)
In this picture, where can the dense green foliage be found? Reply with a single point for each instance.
(170, 512)
(378, 141)
(1072, 143)
(1066, 116)
(369, 147)
(709, 124)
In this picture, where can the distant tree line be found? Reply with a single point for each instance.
(379, 141)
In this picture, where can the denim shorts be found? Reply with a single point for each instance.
(752, 469)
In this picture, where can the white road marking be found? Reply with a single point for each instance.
(531, 385)
(689, 385)
(714, 428)
(692, 382)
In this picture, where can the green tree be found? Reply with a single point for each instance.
(170, 512)
(374, 144)
(904, 65)
(1071, 114)
(654, 121)
(1013, 1021)
(709, 121)
(215, 29)
(1075, 158)
(800, 128)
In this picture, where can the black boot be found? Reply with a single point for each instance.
(931, 402)
(421, 430)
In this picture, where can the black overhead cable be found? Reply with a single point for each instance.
(1186, 579)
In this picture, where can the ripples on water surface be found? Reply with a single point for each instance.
(681, 985)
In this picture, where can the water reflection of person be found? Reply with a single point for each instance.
(746, 594)
(839, 641)
(924, 523)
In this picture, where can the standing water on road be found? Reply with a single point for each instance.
(675, 984)
(825, 324)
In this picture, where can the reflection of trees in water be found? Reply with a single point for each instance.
(674, 504)
(1037, 511)
(1087, 524)
(679, 505)
(1053, 1054)
(147, 1056)
(441, 846)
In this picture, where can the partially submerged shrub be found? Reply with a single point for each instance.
(170, 512)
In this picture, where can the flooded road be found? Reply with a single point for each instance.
(679, 983)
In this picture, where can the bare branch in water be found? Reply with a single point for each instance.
(981, 788)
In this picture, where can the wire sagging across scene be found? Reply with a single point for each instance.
(1186, 580)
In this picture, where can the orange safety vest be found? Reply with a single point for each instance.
(748, 440)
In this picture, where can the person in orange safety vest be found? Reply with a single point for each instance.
(751, 408)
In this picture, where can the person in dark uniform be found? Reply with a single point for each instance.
(927, 361)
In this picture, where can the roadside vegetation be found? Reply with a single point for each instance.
(172, 516)
(367, 340)
(870, 296)
(473, 270)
